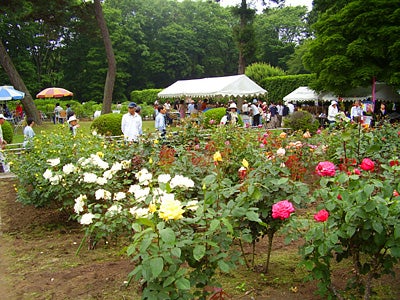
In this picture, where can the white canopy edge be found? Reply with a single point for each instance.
(237, 86)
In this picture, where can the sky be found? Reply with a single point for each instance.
(307, 3)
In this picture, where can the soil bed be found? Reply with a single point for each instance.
(38, 261)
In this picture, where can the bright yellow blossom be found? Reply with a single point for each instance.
(217, 156)
(245, 163)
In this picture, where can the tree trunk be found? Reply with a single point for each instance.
(16, 80)
(242, 45)
(112, 65)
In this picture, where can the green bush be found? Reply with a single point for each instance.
(302, 120)
(108, 124)
(148, 96)
(8, 132)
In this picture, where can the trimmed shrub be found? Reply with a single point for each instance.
(8, 132)
(212, 117)
(108, 124)
(302, 120)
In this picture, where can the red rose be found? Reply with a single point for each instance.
(367, 165)
(282, 210)
(242, 173)
(357, 171)
(325, 168)
(395, 193)
(339, 197)
(321, 216)
(393, 163)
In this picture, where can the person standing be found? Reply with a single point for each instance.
(29, 134)
(356, 112)
(57, 111)
(255, 113)
(332, 112)
(131, 124)
(3, 143)
(161, 121)
(19, 113)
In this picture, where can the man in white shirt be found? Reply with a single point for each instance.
(131, 124)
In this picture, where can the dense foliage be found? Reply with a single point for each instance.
(8, 132)
(302, 121)
(190, 199)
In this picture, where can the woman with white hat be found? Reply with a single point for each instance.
(73, 123)
(332, 112)
(231, 116)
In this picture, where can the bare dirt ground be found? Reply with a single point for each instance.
(38, 260)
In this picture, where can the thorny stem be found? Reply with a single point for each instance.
(270, 237)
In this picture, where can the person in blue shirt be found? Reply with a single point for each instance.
(29, 134)
(161, 121)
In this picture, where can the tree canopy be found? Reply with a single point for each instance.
(354, 44)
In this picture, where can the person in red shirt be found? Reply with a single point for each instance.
(19, 111)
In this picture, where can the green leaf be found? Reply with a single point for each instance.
(227, 224)
(397, 231)
(377, 227)
(176, 252)
(253, 216)
(368, 189)
(131, 249)
(182, 284)
(168, 281)
(370, 206)
(214, 225)
(198, 252)
(156, 266)
(146, 242)
(167, 235)
(395, 251)
(224, 267)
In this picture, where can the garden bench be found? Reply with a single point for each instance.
(16, 148)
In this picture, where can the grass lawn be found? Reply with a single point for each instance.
(49, 127)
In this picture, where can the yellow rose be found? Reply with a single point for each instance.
(155, 141)
(283, 135)
(152, 207)
(245, 163)
(217, 156)
(150, 161)
(100, 154)
(170, 209)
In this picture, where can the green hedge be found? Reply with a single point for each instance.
(108, 124)
(8, 133)
(279, 86)
(148, 96)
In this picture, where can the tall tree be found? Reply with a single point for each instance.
(358, 42)
(112, 64)
(18, 83)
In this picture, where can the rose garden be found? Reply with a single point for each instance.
(185, 208)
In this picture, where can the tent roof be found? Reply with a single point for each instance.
(383, 92)
(238, 85)
(301, 94)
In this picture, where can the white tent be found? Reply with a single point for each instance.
(301, 94)
(238, 86)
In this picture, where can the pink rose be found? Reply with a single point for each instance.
(357, 171)
(282, 210)
(321, 216)
(325, 168)
(367, 165)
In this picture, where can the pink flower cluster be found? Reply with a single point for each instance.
(282, 210)
(326, 168)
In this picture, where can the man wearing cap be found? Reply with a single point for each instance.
(3, 144)
(131, 124)
(332, 112)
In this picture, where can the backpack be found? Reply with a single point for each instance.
(285, 110)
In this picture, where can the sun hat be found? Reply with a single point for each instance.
(72, 118)
(132, 104)
(233, 105)
(333, 102)
(2, 116)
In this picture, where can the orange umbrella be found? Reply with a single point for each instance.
(54, 92)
